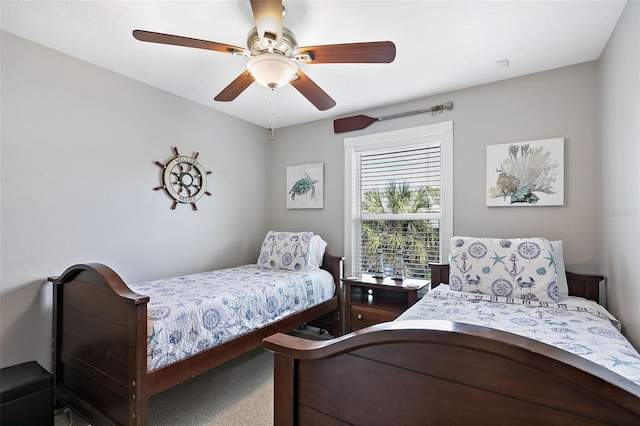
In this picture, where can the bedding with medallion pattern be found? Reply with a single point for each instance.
(189, 314)
(286, 250)
(575, 324)
(525, 268)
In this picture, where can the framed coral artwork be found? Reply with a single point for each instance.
(305, 186)
(526, 173)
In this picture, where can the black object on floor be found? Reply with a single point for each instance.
(26, 395)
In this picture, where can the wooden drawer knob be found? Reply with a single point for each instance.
(359, 316)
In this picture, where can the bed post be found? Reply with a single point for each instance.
(138, 391)
(333, 321)
(283, 383)
(439, 274)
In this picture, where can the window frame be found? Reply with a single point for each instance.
(439, 132)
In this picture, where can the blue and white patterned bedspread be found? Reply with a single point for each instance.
(190, 314)
(576, 325)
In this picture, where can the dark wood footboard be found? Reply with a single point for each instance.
(100, 344)
(440, 372)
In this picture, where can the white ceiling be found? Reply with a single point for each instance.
(441, 45)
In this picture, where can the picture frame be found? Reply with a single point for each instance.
(305, 186)
(525, 174)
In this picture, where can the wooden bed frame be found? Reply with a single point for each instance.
(442, 372)
(100, 343)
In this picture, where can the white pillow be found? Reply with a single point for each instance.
(317, 247)
(563, 286)
(519, 268)
(285, 250)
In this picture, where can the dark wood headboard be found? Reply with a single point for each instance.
(581, 285)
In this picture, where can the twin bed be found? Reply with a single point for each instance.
(505, 336)
(115, 345)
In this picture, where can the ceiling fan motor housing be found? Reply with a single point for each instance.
(258, 46)
(272, 65)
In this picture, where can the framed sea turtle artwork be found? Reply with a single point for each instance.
(526, 173)
(305, 186)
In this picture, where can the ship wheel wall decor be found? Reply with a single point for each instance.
(183, 179)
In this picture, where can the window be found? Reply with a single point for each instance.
(398, 199)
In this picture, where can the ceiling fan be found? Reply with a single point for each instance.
(274, 55)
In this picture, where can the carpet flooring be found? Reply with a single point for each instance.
(239, 392)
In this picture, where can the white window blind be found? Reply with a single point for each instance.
(395, 204)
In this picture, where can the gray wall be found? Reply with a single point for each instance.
(78, 146)
(556, 103)
(619, 152)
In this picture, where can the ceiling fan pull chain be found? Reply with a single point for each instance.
(270, 129)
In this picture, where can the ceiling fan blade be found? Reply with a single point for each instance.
(268, 17)
(236, 87)
(312, 92)
(352, 53)
(175, 40)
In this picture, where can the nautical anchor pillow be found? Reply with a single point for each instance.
(522, 268)
(285, 250)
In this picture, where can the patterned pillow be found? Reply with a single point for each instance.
(520, 268)
(285, 250)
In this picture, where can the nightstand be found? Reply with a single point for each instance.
(370, 300)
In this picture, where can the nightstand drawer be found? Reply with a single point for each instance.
(363, 316)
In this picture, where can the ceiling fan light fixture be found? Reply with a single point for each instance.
(272, 70)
